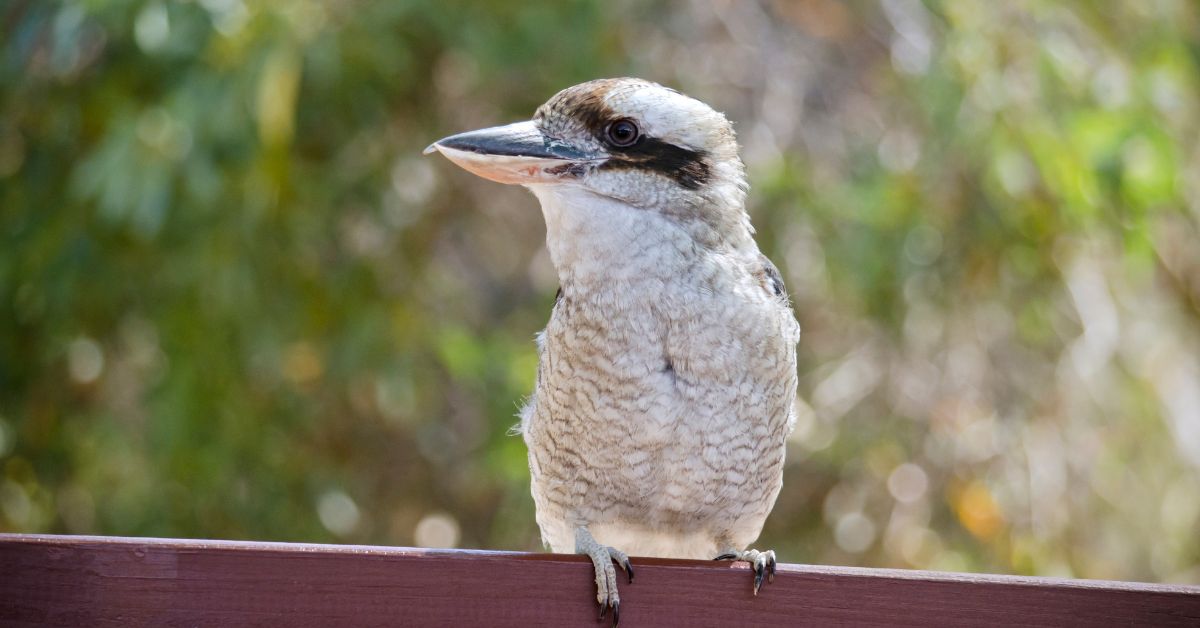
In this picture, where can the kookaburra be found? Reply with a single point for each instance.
(666, 379)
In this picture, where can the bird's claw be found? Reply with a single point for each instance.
(762, 563)
(603, 558)
(608, 598)
(616, 608)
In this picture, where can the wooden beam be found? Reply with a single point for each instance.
(105, 581)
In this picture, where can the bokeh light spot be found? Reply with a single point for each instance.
(436, 530)
(854, 532)
(908, 483)
(338, 512)
(85, 360)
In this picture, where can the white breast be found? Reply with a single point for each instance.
(665, 389)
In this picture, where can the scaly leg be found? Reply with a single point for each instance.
(763, 563)
(606, 577)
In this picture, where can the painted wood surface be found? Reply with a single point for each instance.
(106, 581)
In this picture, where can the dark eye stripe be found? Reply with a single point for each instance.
(686, 167)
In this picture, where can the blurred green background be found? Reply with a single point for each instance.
(237, 302)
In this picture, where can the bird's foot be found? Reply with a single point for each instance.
(762, 563)
(603, 558)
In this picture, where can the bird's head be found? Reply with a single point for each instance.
(641, 144)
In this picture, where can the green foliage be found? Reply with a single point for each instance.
(236, 301)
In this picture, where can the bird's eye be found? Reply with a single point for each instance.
(623, 133)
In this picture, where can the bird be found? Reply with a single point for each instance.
(666, 379)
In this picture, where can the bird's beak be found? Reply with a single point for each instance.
(515, 153)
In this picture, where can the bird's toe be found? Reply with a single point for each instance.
(622, 559)
(603, 557)
(762, 564)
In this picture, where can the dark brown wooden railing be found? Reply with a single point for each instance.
(102, 581)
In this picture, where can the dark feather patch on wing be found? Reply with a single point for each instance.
(772, 276)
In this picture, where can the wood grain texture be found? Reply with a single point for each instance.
(99, 581)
